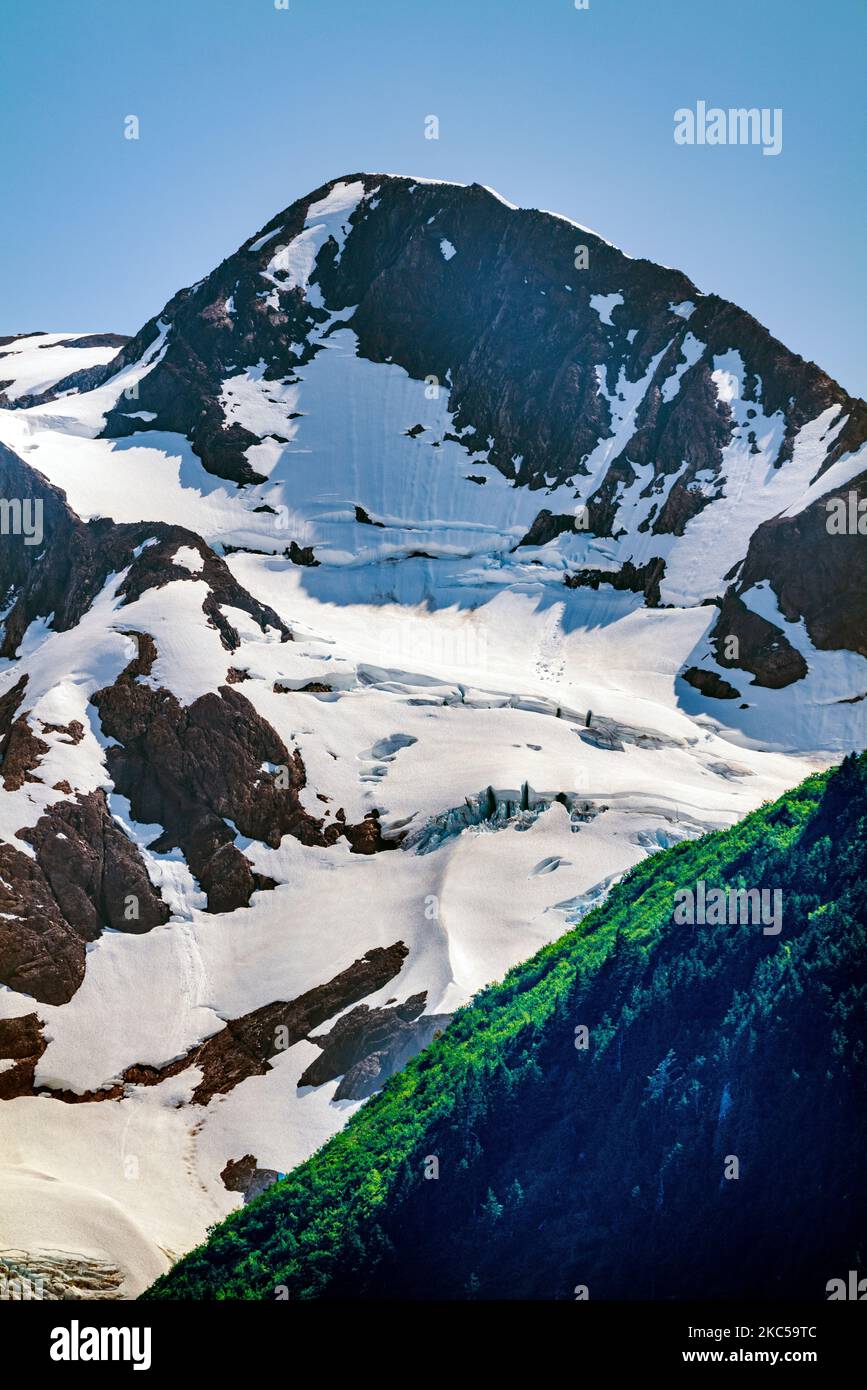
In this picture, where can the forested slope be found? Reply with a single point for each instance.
(611, 1167)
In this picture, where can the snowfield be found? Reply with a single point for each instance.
(429, 706)
(448, 660)
(37, 362)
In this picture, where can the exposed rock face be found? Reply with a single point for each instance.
(243, 1175)
(20, 751)
(95, 872)
(63, 575)
(546, 527)
(41, 954)
(94, 340)
(709, 683)
(644, 579)
(37, 578)
(539, 375)
(21, 1042)
(762, 648)
(309, 688)
(8, 338)
(154, 567)
(301, 554)
(192, 768)
(245, 1046)
(9, 705)
(366, 836)
(10, 363)
(86, 875)
(20, 748)
(815, 575)
(366, 1046)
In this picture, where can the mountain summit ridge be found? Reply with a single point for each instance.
(680, 448)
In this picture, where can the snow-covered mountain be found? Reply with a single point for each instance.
(371, 610)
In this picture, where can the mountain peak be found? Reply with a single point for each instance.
(595, 415)
(423, 527)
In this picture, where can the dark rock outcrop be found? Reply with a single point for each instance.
(310, 688)
(510, 325)
(762, 649)
(301, 554)
(246, 1045)
(192, 768)
(21, 1042)
(62, 576)
(245, 1176)
(710, 683)
(366, 1046)
(21, 754)
(86, 875)
(93, 340)
(816, 575)
(366, 836)
(637, 579)
(545, 528)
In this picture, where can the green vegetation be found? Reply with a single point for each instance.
(606, 1166)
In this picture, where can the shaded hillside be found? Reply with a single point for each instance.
(606, 1167)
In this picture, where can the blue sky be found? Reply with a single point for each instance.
(244, 107)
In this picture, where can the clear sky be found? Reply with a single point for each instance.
(244, 107)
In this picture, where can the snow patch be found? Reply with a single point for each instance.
(603, 305)
(328, 219)
(691, 350)
(189, 559)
